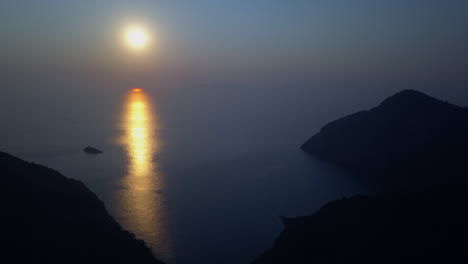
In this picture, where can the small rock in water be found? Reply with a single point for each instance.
(91, 150)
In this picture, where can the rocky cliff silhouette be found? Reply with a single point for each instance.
(409, 135)
(426, 226)
(412, 139)
(48, 218)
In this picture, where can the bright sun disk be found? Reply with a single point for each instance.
(136, 37)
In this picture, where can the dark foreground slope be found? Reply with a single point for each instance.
(409, 133)
(418, 227)
(47, 218)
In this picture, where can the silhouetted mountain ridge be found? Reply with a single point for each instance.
(48, 218)
(426, 226)
(407, 99)
(409, 138)
(409, 133)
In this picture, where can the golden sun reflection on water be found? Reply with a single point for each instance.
(142, 204)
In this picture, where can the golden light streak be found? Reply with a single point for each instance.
(141, 203)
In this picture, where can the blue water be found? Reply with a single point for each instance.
(225, 168)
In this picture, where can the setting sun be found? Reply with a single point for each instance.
(136, 37)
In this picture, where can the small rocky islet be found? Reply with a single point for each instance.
(92, 150)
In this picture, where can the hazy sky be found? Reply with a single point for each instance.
(401, 39)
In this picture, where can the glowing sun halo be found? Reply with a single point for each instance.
(136, 37)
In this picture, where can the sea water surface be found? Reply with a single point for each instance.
(200, 178)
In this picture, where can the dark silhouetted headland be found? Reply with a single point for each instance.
(410, 135)
(409, 227)
(48, 218)
(409, 138)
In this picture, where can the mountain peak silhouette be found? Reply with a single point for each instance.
(409, 134)
(410, 100)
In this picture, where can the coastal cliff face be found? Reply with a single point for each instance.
(417, 227)
(409, 133)
(48, 218)
(410, 138)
